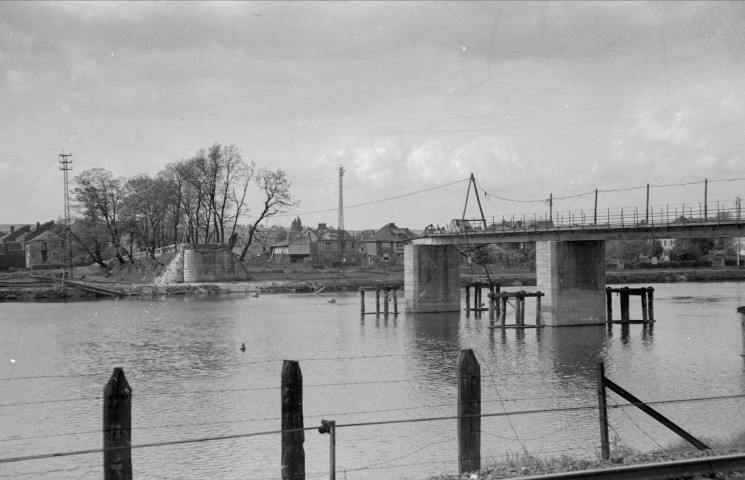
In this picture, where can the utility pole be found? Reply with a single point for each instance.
(738, 225)
(341, 221)
(66, 165)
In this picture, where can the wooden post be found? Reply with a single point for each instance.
(468, 298)
(644, 304)
(497, 303)
(650, 303)
(293, 453)
(477, 298)
(362, 301)
(522, 310)
(603, 412)
(377, 300)
(609, 303)
(595, 216)
(503, 312)
(395, 300)
(117, 427)
(491, 304)
(518, 313)
(385, 300)
(624, 305)
(469, 412)
(538, 309)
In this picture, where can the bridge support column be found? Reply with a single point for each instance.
(572, 275)
(431, 278)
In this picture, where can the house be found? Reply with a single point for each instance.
(323, 246)
(386, 245)
(11, 248)
(279, 252)
(260, 243)
(13, 244)
(44, 249)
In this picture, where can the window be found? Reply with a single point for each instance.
(43, 245)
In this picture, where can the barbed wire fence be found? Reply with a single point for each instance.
(421, 453)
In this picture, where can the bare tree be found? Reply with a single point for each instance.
(99, 195)
(276, 196)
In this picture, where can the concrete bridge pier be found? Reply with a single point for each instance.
(432, 278)
(572, 276)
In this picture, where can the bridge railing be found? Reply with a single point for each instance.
(718, 213)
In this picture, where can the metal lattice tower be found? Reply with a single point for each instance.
(341, 198)
(341, 218)
(66, 166)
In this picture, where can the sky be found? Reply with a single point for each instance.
(533, 98)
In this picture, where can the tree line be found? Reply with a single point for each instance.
(195, 200)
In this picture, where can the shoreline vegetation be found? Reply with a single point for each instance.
(138, 280)
(523, 465)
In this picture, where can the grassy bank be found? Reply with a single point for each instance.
(522, 465)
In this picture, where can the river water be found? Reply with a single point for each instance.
(191, 381)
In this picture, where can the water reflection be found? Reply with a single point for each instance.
(435, 343)
(575, 350)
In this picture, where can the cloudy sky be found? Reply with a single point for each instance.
(533, 98)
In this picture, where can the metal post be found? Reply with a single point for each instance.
(646, 217)
(706, 198)
(329, 426)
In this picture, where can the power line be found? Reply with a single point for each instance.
(372, 202)
(613, 190)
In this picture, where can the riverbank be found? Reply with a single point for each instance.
(299, 278)
(520, 465)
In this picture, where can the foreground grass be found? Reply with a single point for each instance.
(521, 465)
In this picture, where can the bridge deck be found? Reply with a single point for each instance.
(473, 231)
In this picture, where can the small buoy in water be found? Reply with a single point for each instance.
(255, 295)
(333, 300)
(243, 347)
